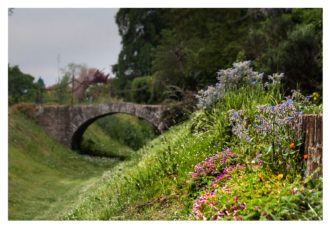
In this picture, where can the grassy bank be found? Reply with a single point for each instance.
(179, 175)
(46, 179)
(238, 158)
(97, 143)
(150, 185)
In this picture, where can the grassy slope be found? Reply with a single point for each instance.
(97, 142)
(45, 179)
(152, 184)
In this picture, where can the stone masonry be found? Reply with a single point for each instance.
(67, 124)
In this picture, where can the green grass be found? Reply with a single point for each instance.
(46, 180)
(127, 129)
(151, 184)
(97, 143)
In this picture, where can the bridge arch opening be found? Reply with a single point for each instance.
(77, 136)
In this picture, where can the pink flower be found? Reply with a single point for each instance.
(294, 191)
(225, 189)
(239, 166)
(221, 214)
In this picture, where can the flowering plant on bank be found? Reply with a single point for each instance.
(241, 193)
(240, 75)
(213, 165)
(273, 128)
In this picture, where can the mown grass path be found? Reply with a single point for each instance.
(46, 180)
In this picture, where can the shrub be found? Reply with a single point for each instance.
(141, 90)
(127, 130)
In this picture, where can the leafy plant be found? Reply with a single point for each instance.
(274, 128)
(251, 193)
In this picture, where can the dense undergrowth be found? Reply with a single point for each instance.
(265, 180)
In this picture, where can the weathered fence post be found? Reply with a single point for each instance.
(311, 129)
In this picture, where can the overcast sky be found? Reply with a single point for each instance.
(39, 37)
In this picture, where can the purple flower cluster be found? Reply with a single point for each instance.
(212, 164)
(207, 202)
(269, 120)
(276, 78)
(207, 205)
(204, 200)
(209, 96)
(233, 211)
(241, 74)
(232, 78)
(239, 124)
(274, 128)
(225, 174)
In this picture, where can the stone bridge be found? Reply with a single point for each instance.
(67, 124)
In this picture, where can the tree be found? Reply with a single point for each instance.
(288, 41)
(184, 48)
(62, 90)
(140, 31)
(199, 42)
(10, 11)
(69, 82)
(20, 86)
(142, 90)
(40, 89)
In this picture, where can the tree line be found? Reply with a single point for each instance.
(167, 52)
(22, 88)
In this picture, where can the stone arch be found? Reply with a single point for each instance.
(78, 133)
(65, 123)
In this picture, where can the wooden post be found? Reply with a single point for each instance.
(311, 129)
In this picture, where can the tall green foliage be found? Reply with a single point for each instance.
(140, 30)
(197, 45)
(62, 90)
(289, 41)
(142, 89)
(127, 130)
(186, 47)
(40, 84)
(20, 86)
